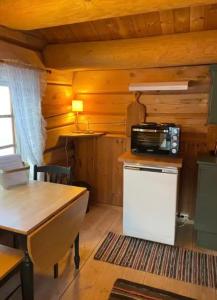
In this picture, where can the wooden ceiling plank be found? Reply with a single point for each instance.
(147, 24)
(112, 27)
(211, 17)
(182, 20)
(39, 33)
(21, 39)
(106, 29)
(167, 21)
(74, 34)
(83, 31)
(167, 50)
(53, 35)
(66, 34)
(123, 27)
(19, 14)
(197, 18)
(127, 25)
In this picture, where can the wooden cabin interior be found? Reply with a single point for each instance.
(113, 57)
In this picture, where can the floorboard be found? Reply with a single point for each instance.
(94, 280)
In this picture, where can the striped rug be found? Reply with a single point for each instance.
(128, 290)
(173, 262)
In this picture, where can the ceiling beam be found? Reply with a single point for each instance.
(15, 53)
(21, 39)
(23, 15)
(193, 48)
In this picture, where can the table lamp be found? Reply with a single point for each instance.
(77, 106)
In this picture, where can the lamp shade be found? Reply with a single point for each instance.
(77, 105)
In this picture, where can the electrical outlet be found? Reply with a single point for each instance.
(183, 218)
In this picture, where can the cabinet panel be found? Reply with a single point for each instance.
(212, 116)
(206, 208)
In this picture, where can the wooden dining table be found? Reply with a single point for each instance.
(24, 209)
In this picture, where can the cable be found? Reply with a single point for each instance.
(66, 151)
(182, 224)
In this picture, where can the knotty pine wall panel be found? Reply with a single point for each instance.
(108, 112)
(106, 97)
(57, 100)
(97, 163)
(56, 109)
(117, 81)
(109, 177)
(191, 146)
(105, 94)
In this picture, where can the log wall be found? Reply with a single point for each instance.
(106, 97)
(56, 106)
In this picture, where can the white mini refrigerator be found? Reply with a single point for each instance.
(149, 206)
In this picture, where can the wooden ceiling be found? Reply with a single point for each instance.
(182, 20)
(19, 15)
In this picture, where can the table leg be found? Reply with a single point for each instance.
(77, 257)
(27, 278)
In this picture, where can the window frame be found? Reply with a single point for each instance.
(11, 116)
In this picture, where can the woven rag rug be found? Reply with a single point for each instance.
(170, 261)
(128, 290)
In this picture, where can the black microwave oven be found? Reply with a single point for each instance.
(155, 138)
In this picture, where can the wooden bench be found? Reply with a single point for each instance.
(10, 260)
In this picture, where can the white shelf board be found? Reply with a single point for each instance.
(159, 86)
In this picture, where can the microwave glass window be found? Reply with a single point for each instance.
(156, 140)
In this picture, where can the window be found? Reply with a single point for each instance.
(7, 141)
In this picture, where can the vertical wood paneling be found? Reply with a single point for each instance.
(109, 171)
(212, 137)
(96, 162)
(85, 162)
(191, 146)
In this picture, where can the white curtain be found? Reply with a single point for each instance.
(26, 88)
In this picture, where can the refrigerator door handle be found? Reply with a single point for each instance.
(155, 170)
(132, 168)
(143, 169)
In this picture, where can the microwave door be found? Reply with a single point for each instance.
(151, 141)
(145, 141)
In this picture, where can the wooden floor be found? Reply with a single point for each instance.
(95, 279)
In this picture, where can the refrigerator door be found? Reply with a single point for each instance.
(149, 208)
